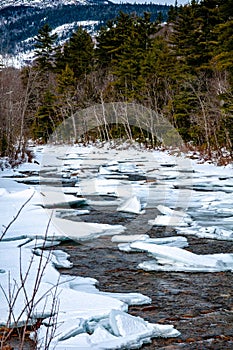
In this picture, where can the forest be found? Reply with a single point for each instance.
(19, 23)
(182, 69)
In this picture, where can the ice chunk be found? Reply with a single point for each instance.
(174, 254)
(152, 265)
(176, 241)
(77, 230)
(104, 171)
(212, 232)
(40, 243)
(88, 285)
(118, 331)
(65, 213)
(177, 259)
(131, 205)
(129, 238)
(124, 325)
(173, 241)
(58, 258)
(167, 220)
(168, 211)
(53, 199)
(100, 186)
(101, 335)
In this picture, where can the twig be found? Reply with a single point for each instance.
(15, 217)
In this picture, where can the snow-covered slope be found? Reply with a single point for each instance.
(20, 21)
(42, 3)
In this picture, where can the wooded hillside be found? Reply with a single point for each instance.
(182, 70)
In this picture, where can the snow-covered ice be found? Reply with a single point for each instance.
(192, 198)
(85, 316)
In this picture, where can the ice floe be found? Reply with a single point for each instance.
(177, 259)
(57, 199)
(129, 238)
(89, 285)
(168, 211)
(211, 232)
(168, 220)
(132, 205)
(118, 330)
(176, 241)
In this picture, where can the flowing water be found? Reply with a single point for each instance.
(199, 305)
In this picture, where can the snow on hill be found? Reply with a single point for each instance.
(23, 58)
(41, 3)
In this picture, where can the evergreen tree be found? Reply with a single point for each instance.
(45, 119)
(44, 48)
(122, 48)
(223, 59)
(158, 70)
(194, 37)
(112, 39)
(77, 53)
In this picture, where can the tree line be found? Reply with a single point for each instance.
(18, 23)
(181, 69)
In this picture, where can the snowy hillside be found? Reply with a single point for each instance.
(20, 20)
(42, 3)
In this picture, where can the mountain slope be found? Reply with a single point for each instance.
(20, 24)
(42, 3)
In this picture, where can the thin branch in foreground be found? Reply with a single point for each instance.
(15, 217)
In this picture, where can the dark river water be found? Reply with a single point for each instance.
(199, 305)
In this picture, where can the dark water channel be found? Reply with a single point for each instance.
(199, 305)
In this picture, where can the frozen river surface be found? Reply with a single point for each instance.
(142, 249)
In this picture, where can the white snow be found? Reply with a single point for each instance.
(190, 197)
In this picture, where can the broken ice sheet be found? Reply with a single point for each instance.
(132, 205)
(177, 259)
(88, 285)
(171, 212)
(210, 232)
(167, 220)
(65, 213)
(57, 257)
(129, 238)
(171, 217)
(99, 185)
(58, 199)
(78, 230)
(174, 241)
(118, 330)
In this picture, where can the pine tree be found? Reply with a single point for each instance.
(121, 47)
(194, 37)
(44, 48)
(223, 59)
(45, 119)
(158, 69)
(78, 54)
